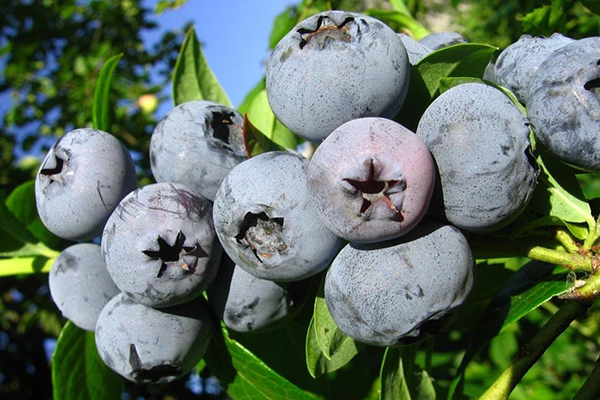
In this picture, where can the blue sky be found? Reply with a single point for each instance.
(235, 34)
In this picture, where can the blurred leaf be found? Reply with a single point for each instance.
(192, 77)
(263, 119)
(78, 372)
(558, 193)
(545, 20)
(523, 292)
(400, 6)
(17, 240)
(401, 379)
(247, 377)
(282, 24)
(102, 107)
(317, 363)
(255, 141)
(592, 5)
(163, 5)
(461, 60)
(400, 22)
(25, 265)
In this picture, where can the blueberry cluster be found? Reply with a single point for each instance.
(251, 231)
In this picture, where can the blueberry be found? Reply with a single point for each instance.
(196, 144)
(563, 103)
(160, 246)
(84, 176)
(246, 303)
(266, 222)
(371, 180)
(480, 143)
(518, 63)
(439, 40)
(333, 67)
(415, 50)
(394, 292)
(146, 345)
(80, 285)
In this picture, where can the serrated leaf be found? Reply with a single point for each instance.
(245, 376)
(192, 77)
(78, 372)
(25, 265)
(531, 286)
(21, 203)
(264, 120)
(400, 21)
(404, 382)
(558, 193)
(316, 361)
(101, 107)
(17, 240)
(460, 60)
(255, 141)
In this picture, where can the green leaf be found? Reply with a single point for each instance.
(282, 24)
(579, 231)
(249, 99)
(17, 241)
(264, 120)
(558, 193)
(192, 77)
(531, 286)
(78, 372)
(25, 265)
(330, 339)
(21, 203)
(402, 379)
(317, 363)
(399, 6)
(590, 184)
(393, 382)
(255, 141)
(101, 108)
(545, 20)
(245, 376)
(164, 5)
(400, 21)
(461, 60)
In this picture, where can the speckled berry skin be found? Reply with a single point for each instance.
(517, 64)
(371, 180)
(480, 142)
(383, 294)
(160, 246)
(266, 222)
(563, 104)
(333, 67)
(80, 285)
(439, 40)
(246, 303)
(415, 50)
(84, 176)
(146, 345)
(196, 144)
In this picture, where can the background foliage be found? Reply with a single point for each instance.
(53, 52)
